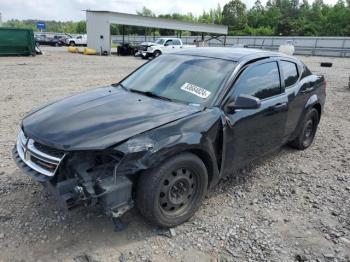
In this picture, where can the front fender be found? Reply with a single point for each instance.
(145, 152)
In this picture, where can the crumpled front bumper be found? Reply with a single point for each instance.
(114, 193)
(26, 169)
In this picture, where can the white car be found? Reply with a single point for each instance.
(161, 45)
(78, 40)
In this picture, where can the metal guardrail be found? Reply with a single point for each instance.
(320, 46)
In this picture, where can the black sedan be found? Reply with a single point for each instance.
(170, 130)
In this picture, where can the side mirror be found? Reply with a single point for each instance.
(243, 102)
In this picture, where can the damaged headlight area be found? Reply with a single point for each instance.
(93, 179)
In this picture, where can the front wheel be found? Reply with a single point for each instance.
(307, 131)
(157, 53)
(170, 194)
(71, 43)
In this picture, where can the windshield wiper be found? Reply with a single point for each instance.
(150, 94)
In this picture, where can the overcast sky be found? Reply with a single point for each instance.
(72, 9)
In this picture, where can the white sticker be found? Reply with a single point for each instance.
(196, 90)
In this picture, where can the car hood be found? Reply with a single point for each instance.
(100, 118)
(148, 44)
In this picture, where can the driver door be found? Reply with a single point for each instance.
(168, 45)
(79, 40)
(251, 133)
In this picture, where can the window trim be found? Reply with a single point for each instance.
(169, 40)
(282, 73)
(250, 66)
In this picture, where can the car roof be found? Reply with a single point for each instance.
(229, 53)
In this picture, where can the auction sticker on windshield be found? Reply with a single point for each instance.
(196, 90)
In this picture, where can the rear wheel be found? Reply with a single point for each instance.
(307, 131)
(171, 193)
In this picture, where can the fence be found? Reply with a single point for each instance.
(320, 46)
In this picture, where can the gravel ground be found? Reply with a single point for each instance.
(291, 206)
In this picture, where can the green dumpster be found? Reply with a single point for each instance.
(14, 41)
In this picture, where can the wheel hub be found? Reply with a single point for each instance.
(177, 190)
(308, 129)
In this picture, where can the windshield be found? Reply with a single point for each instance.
(189, 79)
(159, 41)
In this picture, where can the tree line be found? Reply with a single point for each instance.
(276, 17)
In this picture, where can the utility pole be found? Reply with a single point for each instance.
(0, 19)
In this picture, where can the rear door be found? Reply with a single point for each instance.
(177, 44)
(250, 133)
(296, 90)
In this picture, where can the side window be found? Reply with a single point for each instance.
(306, 72)
(176, 42)
(169, 42)
(290, 73)
(261, 81)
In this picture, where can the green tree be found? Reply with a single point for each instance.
(80, 27)
(234, 15)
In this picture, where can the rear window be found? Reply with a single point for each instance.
(176, 42)
(306, 72)
(290, 73)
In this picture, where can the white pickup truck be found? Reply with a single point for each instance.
(78, 40)
(161, 45)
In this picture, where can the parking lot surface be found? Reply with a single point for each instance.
(292, 205)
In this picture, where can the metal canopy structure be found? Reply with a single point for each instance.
(98, 26)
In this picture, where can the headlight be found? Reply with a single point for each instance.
(150, 49)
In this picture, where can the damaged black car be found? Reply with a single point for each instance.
(163, 136)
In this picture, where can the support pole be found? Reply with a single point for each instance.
(123, 32)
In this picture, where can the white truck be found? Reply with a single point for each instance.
(160, 46)
(77, 40)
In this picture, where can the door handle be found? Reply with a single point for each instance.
(279, 106)
(307, 90)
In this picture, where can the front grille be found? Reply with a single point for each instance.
(42, 159)
(49, 150)
(143, 48)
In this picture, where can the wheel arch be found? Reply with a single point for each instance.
(207, 161)
(206, 157)
(318, 107)
(313, 102)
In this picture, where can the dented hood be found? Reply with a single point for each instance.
(100, 118)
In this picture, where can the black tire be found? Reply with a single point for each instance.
(72, 43)
(156, 53)
(307, 130)
(170, 194)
